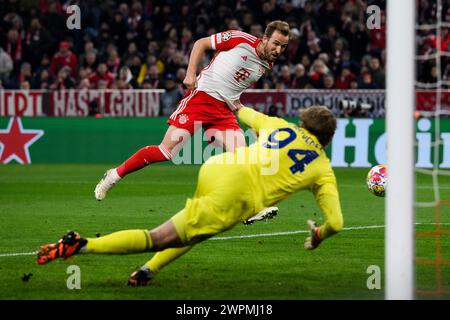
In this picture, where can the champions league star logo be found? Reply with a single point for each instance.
(226, 36)
(15, 141)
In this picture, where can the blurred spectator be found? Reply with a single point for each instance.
(357, 38)
(377, 72)
(64, 57)
(119, 29)
(6, 65)
(366, 81)
(37, 42)
(344, 80)
(42, 80)
(328, 82)
(25, 85)
(14, 47)
(285, 77)
(145, 68)
(313, 44)
(113, 61)
(90, 60)
(378, 37)
(152, 78)
(300, 79)
(171, 97)
(329, 39)
(181, 74)
(135, 66)
(63, 80)
(257, 30)
(88, 47)
(85, 84)
(175, 61)
(124, 79)
(25, 74)
(432, 77)
(354, 84)
(318, 70)
(102, 78)
(55, 20)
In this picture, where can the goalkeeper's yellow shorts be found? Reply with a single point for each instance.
(223, 198)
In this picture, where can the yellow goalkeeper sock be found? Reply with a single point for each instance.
(163, 258)
(127, 241)
(330, 227)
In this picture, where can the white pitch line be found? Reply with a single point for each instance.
(258, 235)
(307, 231)
(17, 254)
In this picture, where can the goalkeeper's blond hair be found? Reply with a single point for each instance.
(320, 121)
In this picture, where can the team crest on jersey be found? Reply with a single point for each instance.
(183, 118)
(226, 36)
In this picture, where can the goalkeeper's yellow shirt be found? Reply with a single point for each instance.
(290, 159)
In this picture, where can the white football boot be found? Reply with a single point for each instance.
(265, 214)
(110, 178)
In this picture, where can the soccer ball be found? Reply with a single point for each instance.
(376, 180)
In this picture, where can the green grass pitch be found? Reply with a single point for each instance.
(39, 203)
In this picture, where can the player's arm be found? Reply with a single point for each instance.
(257, 120)
(251, 118)
(197, 53)
(327, 198)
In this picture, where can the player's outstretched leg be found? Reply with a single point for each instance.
(142, 158)
(67, 246)
(174, 139)
(109, 180)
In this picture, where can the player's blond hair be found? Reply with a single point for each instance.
(277, 25)
(320, 121)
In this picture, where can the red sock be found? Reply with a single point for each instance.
(142, 158)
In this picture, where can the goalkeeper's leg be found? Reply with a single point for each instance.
(121, 242)
(142, 276)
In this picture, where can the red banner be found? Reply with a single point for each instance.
(21, 103)
(263, 100)
(80, 103)
(110, 103)
(426, 100)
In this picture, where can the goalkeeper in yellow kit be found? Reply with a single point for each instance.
(232, 188)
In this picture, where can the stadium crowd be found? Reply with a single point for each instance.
(146, 43)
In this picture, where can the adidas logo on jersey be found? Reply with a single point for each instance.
(244, 58)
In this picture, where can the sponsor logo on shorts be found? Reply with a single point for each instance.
(183, 118)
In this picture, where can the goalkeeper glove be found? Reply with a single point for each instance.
(313, 240)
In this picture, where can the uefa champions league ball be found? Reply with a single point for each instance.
(376, 180)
